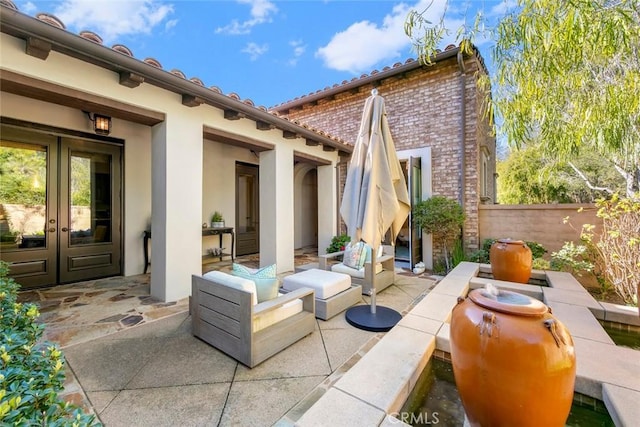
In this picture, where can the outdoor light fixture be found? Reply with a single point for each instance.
(101, 124)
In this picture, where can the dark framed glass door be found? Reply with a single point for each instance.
(247, 209)
(409, 242)
(89, 237)
(28, 211)
(60, 207)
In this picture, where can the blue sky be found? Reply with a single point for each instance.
(270, 51)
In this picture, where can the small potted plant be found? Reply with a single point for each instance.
(217, 220)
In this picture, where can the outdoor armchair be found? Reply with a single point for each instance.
(226, 315)
(382, 268)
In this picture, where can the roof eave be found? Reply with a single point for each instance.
(23, 26)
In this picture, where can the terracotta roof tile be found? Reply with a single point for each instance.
(51, 20)
(234, 95)
(215, 89)
(178, 73)
(9, 4)
(90, 35)
(153, 61)
(197, 81)
(122, 49)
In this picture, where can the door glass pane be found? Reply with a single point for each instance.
(246, 207)
(90, 187)
(23, 196)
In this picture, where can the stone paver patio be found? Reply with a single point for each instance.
(139, 365)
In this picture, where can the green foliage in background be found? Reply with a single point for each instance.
(31, 370)
(338, 243)
(529, 176)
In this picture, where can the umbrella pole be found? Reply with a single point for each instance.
(373, 300)
(373, 318)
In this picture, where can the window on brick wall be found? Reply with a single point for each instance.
(484, 175)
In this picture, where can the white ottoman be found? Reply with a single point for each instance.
(334, 292)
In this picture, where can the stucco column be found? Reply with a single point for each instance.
(176, 241)
(276, 208)
(327, 206)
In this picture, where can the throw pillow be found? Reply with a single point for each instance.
(355, 255)
(265, 278)
(368, 251)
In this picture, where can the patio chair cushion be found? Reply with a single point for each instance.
(355, 255)
(265, 279)
(341, 268)
(233, 282)
(274, 316)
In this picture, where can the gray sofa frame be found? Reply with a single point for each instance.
(223, 318)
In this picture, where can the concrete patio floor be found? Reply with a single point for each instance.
(155, 373)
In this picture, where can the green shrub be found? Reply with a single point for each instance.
(457, 254)
(443, 218)
(31, 371)
(338, 243)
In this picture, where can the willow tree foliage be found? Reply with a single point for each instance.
(567, 74)
(528, 176)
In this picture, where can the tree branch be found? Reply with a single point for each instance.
(586, 180)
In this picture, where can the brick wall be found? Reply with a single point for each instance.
(424, 108)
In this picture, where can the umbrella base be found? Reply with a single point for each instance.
(383, 320)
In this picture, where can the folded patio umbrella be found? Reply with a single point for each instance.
(375, 200)
(375, 196)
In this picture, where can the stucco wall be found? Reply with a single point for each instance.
(543, 224)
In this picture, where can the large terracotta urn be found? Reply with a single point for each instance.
(510, 260)
(514, 364)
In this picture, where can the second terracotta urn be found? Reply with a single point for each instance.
(514, 364)
(511, 260)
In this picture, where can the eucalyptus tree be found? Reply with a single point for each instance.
(567, 74)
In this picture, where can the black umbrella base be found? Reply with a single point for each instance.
(383, 320)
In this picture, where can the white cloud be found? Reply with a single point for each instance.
(111, 19)
(29, 8)
(298, 50)
(261, 11)
(365, 44)
(255, 51)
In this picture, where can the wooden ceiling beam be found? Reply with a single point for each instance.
(131, 80)
(191, 100)
(233, 114)
(287, 134)
(37, 48)
(260, 125)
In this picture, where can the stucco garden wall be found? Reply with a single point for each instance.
(543, 224)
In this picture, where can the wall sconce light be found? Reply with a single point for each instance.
(101, 124)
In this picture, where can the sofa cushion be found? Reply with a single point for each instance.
(355, 255)
(264, 278)
(359, 274)
(274, 316)
(324, 283)
(233, 282)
